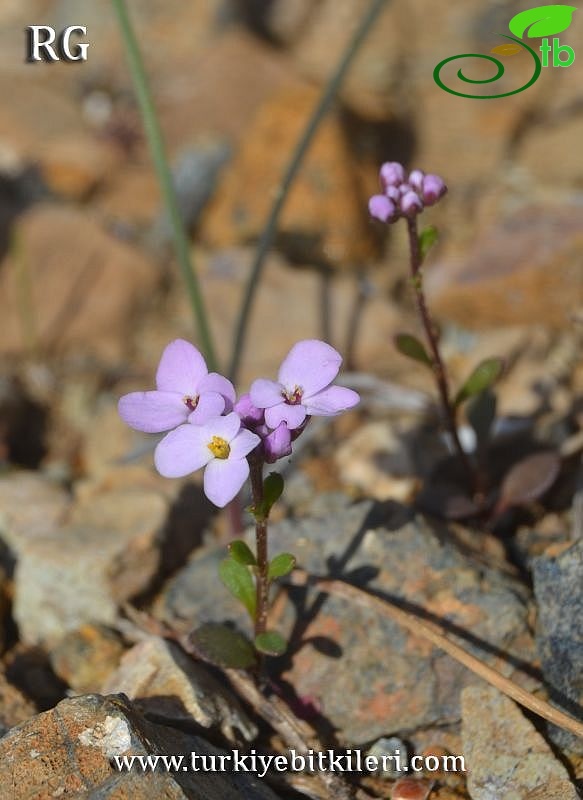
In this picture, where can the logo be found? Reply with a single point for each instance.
(40, 39)
(541, 22)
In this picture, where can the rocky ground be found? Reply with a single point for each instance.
(90, 534)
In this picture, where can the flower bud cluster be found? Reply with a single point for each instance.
(404, 195)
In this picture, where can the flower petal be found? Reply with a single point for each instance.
(331, 401)
(251, 416)
(310, 364)
(293, 416)
(209, 406)
(226, 427)
(152, 412)
(243, 443)
(224, 478)
(181, 368)
(213, 382)
(183, 451)
(265, 393)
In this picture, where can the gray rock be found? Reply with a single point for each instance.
(195, 595)
(30, 507)
(107, 552)
(369, 676)
(558, 588)
(167, 683)
(195, 175)
(70, 751)
(505, 756)
(383, 678)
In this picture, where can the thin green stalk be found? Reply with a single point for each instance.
(24, 295)
(292, 170)
(157, 151)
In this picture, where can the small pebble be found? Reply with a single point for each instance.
(409, 789)
(391, 746)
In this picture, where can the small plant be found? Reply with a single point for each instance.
(405, 197)
(207, 427)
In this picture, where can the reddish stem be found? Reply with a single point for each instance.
(439, 370)
(262, 581)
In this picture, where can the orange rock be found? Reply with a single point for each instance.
(409, 789)
(371, 87)
(73, 166)
(69, 283)
(14, 706)
(526, 269)
(220, 88)
(132, 196)
(325, 218)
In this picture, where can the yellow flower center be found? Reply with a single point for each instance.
(219, 447)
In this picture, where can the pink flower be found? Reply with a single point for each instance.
(276, 443)
(304, 387)
(251, 416)
(185, 390)
(220, 445)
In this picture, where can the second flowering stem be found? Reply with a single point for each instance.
(439, 370)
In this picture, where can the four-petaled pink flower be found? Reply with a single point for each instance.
(304, 386)
(221, 445)
(185, 390)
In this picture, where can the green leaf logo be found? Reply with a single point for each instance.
(542, 21)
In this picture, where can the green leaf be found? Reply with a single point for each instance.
(272, 490)
(542, 21)
(239, 582)
(223, 646)
(271, 643)
(242, 553)
(481, 413)
(484, 376)
(281, 565)
(427, 238)
(411, 347)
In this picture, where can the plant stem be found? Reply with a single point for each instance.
(157, 151)
(24, 295)
(439, 370)
(290, 174)
(262, 581)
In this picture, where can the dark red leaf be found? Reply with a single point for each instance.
(529, 479)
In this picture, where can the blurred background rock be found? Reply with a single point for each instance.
(89, 293)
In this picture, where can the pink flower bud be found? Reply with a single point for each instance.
(433, 189)
(392, 174)
(411, 204)
(416, 179)
(251, 416)
(381, 208)
(393, 193)
(277, 444)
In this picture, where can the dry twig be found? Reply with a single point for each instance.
(432, 632)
